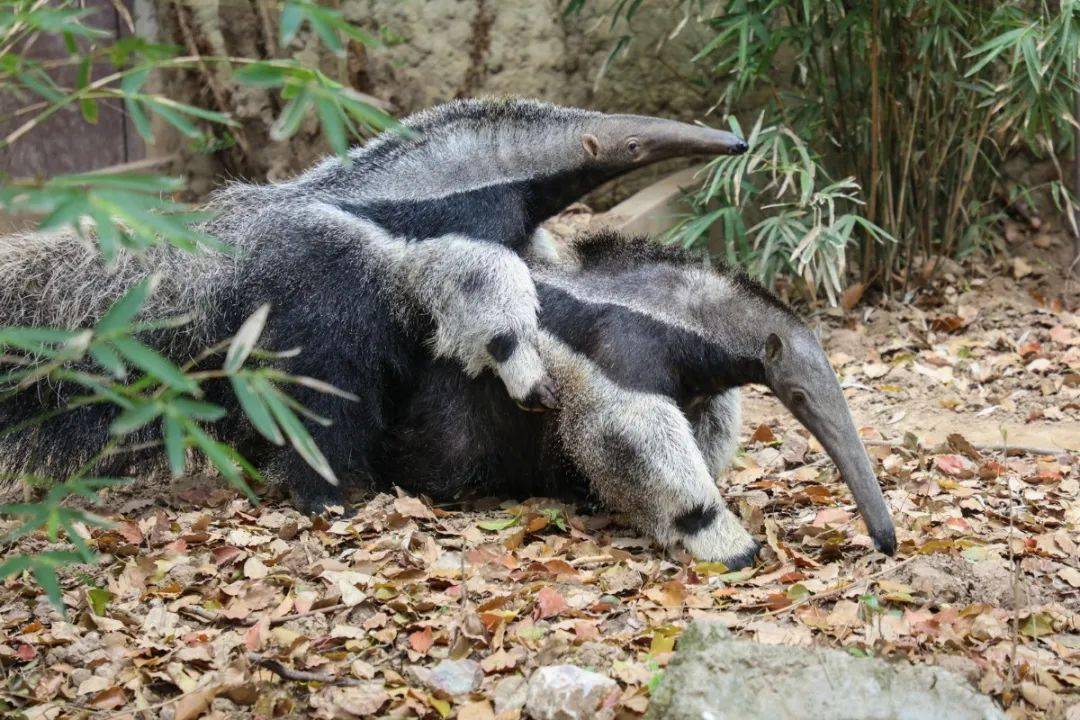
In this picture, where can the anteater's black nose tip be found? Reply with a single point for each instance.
(885, 541)
(740, 147)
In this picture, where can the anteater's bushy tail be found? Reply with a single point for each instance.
(58, 279)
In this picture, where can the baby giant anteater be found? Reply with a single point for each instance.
(649, 348)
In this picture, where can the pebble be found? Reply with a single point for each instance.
(456, 677)
(567, 692)
(510, 694)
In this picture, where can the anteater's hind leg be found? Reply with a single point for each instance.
(641, 458)
(347, 442)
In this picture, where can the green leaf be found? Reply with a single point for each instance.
(123, 311)
(501, 524)
(222, 456)
(1037, 625)
(797, 592)
(99, 600)
(245, 339)
(46, 577)
(294, 430)
(197, 410)
(107, 358)
(256, 410)
(174, 118)
(175, 448)
(152, 362)
(333, 125)
(89, 109)
(140, 120)
(214, 452)
(327, 33)
(14, 565)
(36, 339)
(291, 116)
(131, 420)
(292, 15)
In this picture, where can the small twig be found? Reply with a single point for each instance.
(590, 559)
(210, 74)
(1015, 569)
(288, 673)
(132, 712)
(267, 27)
(309, 613)
(838, 589)
(213, 617)
(1014, 449)
(38, 702)
(198, 612)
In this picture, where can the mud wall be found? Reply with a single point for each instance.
(435, 50)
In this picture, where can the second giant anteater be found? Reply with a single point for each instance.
(649, 349)
(428, 223)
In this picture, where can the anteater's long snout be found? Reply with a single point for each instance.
(671, 138)
(825, 413)
(858, 473)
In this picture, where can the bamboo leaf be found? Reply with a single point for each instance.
(294, 430)
(245, 339)
(123, 311)
(173, 434)
(131, 420)
(157, 365)
(256, 410)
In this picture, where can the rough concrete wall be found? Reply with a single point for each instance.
(447, 49)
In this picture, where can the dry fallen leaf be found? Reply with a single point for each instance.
(422, 640)
(763, 434)
(549, 603)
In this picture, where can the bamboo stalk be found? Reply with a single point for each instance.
(875, 133)
(1076, 174)
(875, 110)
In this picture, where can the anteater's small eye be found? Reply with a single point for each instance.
(632, 146)
(798, 398)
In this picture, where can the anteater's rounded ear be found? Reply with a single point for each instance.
(591, 143)
(774, 349)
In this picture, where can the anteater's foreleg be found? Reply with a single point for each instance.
(641, 458)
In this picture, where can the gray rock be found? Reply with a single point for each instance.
(510, 694)
(567, 692)
(456, 677)
(714, 677)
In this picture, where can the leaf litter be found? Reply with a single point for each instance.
(207, 607)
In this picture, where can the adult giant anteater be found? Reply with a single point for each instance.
(649, 348)
(344, 253)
